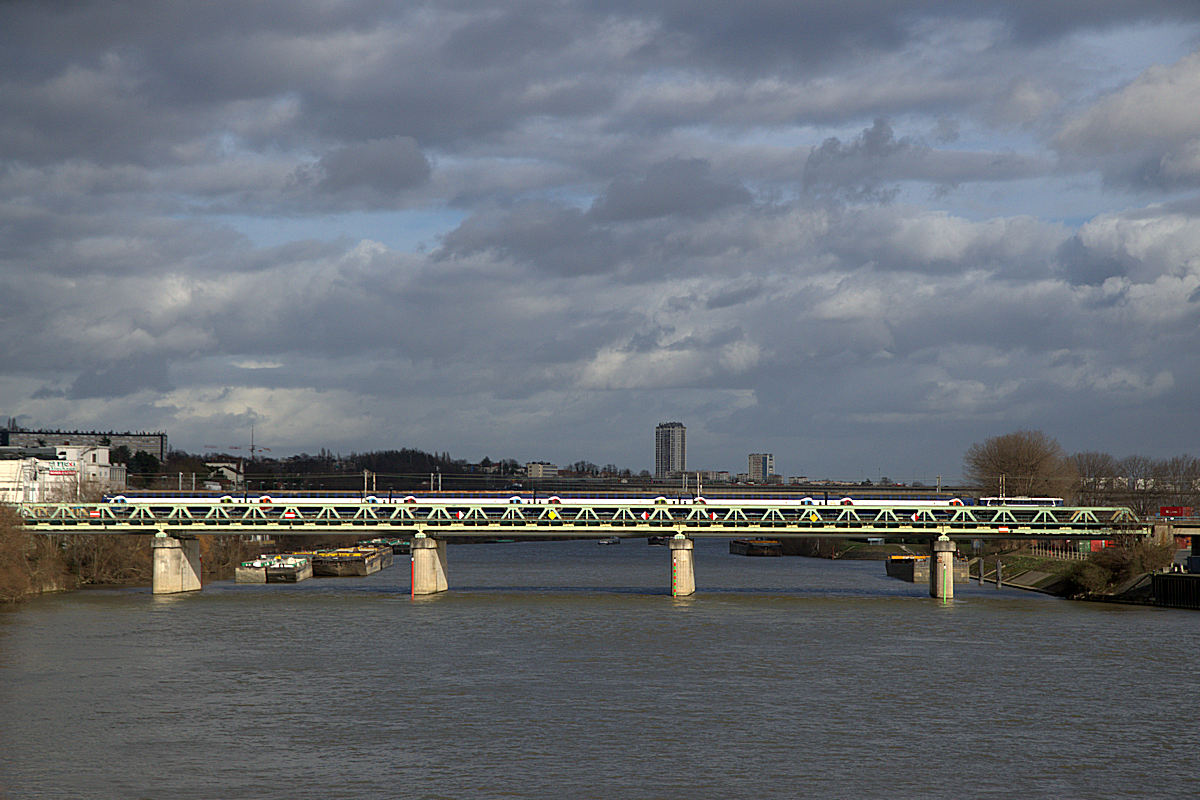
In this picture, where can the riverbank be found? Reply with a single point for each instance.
(1062, 578)
(29, 565)
(36, 564)
(1119, 574)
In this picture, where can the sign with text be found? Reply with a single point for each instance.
(1174, 511)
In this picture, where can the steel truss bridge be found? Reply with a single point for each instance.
(583, 519)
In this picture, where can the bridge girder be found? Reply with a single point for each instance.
(582, 520)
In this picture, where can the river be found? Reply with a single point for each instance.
(565, 669)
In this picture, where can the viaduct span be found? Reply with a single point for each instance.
(430, 521)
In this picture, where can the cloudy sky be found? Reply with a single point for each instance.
(861, 236)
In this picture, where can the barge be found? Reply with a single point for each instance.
(274, 569)
(398, 546)
(349, 561)
(915, 568)
(755, 547)
(289, 570)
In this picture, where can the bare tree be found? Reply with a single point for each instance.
(100, 558)
(1175, 479)
(1139, 482)
(1097, 477)
(1136, 474)
(29, 563)
(1022, 463)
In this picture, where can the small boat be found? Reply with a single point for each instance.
(609, 540)
(657, 540)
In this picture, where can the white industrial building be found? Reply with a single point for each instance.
(541, 469)
(48, 474)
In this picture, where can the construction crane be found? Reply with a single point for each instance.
(251, 449)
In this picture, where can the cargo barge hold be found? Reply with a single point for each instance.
(349, 561)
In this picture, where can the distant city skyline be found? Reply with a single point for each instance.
(670, 451)
(862, 238)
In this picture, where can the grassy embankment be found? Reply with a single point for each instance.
(1102, 575)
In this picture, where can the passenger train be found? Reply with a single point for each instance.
(1024, 502)
(468, 498)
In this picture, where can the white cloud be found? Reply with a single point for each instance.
(1145, 133)
(249, 363)
(1156, 108)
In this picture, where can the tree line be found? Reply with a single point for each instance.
(1021, 463)
(1031, 463)
(387, 469)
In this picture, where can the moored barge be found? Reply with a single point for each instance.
(349, 561)
(755, 547)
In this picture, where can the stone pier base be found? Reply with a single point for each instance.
(176, 565)
(683, 574)
(428, 565)
(941, 569)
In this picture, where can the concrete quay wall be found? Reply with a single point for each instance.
(1175, 590)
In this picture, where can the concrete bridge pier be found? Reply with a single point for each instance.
(176, 564)
(941, 568)
(683, 574)
(428, 565)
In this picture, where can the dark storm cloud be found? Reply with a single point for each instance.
(800, 35)
(554, 239)
(384, 165)
(733, 296)
(679, 186)
(1034, 21)
(857, 169)
(121, 378)
(100, 243)
(754, 35)
(372, 175)
(1082, 265)
(507, 34)
(868, 167)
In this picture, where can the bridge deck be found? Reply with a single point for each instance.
(635, 518)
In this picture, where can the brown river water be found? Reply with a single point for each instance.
(565, 669)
